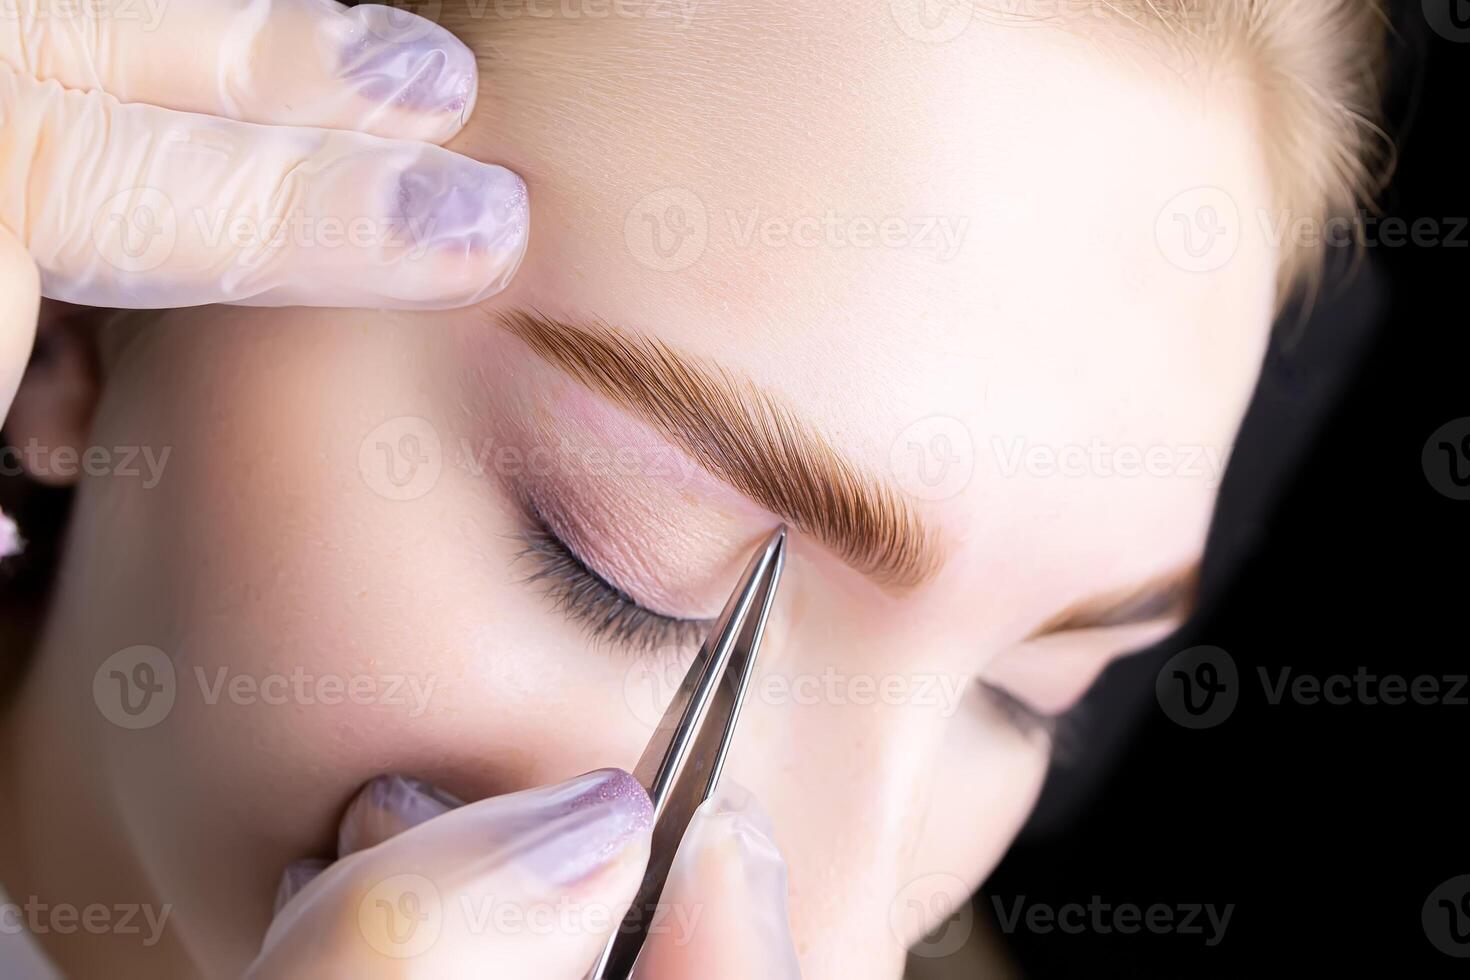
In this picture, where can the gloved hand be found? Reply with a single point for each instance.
(267, 152)
(530, 886)
(246, 151)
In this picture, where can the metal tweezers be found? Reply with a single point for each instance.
(681, 766)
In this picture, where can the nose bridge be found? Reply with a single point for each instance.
(847, 711)
(862, 741)
(842, 759)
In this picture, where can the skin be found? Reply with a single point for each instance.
(269, 545)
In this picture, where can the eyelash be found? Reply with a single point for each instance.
(606, 612)
(1020, 715)
(613, 617)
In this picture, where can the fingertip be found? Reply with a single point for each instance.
(20, 303)
(725, 905)
(737, 810)
(298, 875)
(388, 806)
(426, 229)
(20, 292)
(469, 223)
(412, 68)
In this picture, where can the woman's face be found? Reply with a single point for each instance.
(943, 268)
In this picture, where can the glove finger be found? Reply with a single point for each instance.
(388, 806)
(723, 913)
(140, 207)
(298, 875)
(20, 302)
(373, 68)
(521, 886)
(381, 810)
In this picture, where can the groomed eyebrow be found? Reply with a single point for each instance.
(1172, 594)
(742, 435)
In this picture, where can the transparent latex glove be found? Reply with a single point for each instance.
(160, 153)
(724, 914)
(529, 886)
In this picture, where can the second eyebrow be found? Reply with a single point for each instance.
(1175, 593)
(746, 438)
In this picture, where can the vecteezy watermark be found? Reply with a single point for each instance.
(66, 462)
(933, 458)
(670, 229)
(401, 916)
(1446, 917)
(401, 459)
(404, 457)
(138, 229)
(940, 234)
(138, 687)
(678, 13)
(77, 13)
(404, 915)
(298, 230)
(932, 21)
(936, 908)
(656, 461)
(135, 687)
(667, 230)
(1097, 458)
(1200, 688)
(1362, 687)
(299, 687)
(1446, 459)
(1450, 19)
(1364, 229)
(1096, 916)
(1198, 230)
(95, 919)
(566, 916)
(941, 21)
(650, 683)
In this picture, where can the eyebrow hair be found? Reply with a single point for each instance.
(1174, 593)
(745, 437)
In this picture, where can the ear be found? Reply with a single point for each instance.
(48, 422)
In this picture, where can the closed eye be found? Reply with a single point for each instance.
(607, 612)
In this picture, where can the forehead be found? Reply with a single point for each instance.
(930, 250)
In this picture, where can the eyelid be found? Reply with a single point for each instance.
(608, 613)
(1170, 594)
(1119, 635)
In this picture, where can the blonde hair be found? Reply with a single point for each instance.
(1317, 68)
(1313, 66)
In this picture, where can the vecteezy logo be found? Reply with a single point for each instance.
(1450, 19)
(402, 458)
(401, 916)
(390, 21)
(1199, 230)
(136, 230)
(1198, 687)
(932, 21)
(933, 458)
(932, 915)
(1446, 917)
(650, 683)
(135, 688)
(667, 230)
(1446, 459)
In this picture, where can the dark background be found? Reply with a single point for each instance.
(1327, 826)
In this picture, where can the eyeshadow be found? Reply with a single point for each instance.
(608, 613)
